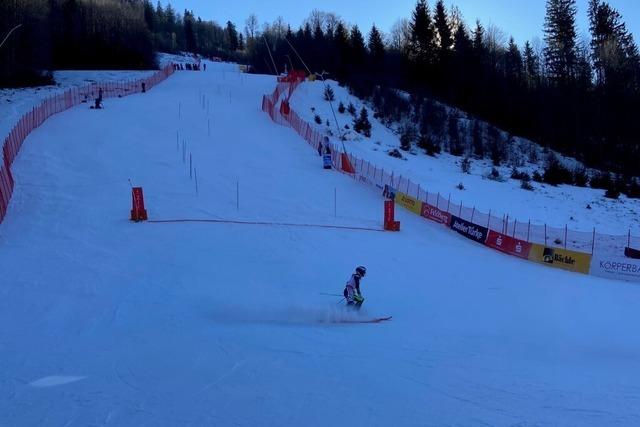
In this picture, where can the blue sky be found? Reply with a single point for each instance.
(521, 18)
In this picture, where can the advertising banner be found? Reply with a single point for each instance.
(435, 214)
(561, 258)
(631, 253)
(508, 245)
(326, 161)
(408, 202)
(469, 230)
(615, 267)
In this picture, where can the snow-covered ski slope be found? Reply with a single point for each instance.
(108, 322)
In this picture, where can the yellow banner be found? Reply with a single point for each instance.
(408, 202)
(561, 258)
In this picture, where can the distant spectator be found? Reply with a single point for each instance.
(98, 104)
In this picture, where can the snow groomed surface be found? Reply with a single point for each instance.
(103, 321)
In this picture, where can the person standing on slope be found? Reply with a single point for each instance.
(352, 290)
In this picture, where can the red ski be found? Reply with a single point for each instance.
(376, 320)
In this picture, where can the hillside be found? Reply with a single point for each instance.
(579, 208)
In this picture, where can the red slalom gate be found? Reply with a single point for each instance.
(138, 212)
(390, 224)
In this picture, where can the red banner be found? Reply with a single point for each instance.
(508, 245)
(435, 214)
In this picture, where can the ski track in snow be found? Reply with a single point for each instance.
(107, 322)
(55, 380)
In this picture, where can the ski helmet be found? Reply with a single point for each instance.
(361, 271)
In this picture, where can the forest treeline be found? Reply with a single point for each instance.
(100, 34)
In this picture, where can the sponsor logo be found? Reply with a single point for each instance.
(519, 248)
(508, 245)
(561, 258)
(469, 230)
(435, 214)
(409, 203)
(616, 267)
(620, 267)
(550, 256)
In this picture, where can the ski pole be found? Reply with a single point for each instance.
(331, 295)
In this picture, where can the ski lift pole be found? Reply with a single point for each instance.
(335, 118)
(275, 68)
(9, 34)
(324, 82)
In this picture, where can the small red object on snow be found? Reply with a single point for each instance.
(389, 213)
(138, 212)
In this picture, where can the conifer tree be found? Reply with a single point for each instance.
(513, 61)
(560, 37)
(232, 36)
(376, 47)
(357, 48)
(189, 32)
(479, 47)
(441, 23)
(341, 46)
(531, 65)
(422, 43)
(614, 53)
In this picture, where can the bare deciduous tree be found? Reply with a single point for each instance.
(400, 34)
(251, 26)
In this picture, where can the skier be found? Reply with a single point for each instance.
(352, 290)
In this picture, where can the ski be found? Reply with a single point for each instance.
(375, 320)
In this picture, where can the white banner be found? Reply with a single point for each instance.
(615, 267)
